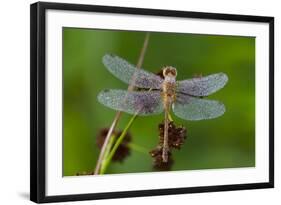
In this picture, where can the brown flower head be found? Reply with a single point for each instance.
(177, 135)
(176, 138)
(158, 163)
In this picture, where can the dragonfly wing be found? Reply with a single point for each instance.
(203, 86)
(143, 102)
(129, 74)
(192, 108)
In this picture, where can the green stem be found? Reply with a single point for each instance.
(116, 145)
(108, 148)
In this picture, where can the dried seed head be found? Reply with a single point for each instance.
(158, 163)
(176, 138)
(176, 135)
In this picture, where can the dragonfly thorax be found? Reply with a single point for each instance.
(169, 86)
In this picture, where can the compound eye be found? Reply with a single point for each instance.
(166, 71)
(174, 72)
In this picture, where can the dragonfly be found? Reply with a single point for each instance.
(162, 94)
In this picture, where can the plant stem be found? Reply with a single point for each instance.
(116, 145)
(106, 141)
(118, 114)
(108, 148)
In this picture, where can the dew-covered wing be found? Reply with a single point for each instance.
(129, 74)
(203, 86)
(143, 102)
(193, 108)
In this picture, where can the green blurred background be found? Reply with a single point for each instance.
(225, 142)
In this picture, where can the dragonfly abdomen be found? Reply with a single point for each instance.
(169, 95)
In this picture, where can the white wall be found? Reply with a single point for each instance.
(14, 101)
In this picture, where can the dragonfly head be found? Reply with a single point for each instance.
(169, 71)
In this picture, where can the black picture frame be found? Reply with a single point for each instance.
(38, 101)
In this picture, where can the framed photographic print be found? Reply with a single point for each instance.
(129, 102)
